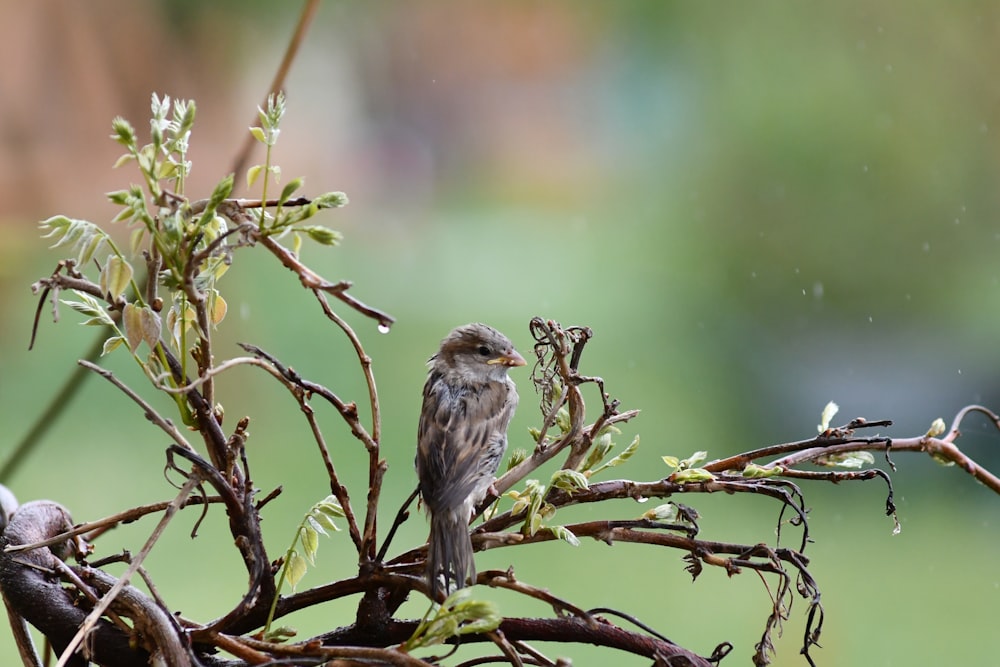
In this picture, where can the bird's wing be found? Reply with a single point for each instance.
(461, 436)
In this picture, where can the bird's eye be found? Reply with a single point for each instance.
(484, 351)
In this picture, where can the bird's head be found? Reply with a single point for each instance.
(476, 352)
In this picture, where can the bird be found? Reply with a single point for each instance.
(468, 402)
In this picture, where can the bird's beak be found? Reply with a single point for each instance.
(512, 358)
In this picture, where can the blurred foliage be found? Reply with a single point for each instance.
(757, 209)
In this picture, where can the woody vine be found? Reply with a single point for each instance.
(160, 302)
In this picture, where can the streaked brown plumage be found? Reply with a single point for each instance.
(468, 404)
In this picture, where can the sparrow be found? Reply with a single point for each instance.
(462, 435)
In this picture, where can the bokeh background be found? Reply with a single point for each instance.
(758, 208)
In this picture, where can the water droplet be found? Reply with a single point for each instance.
(383, 328)
(818, 290)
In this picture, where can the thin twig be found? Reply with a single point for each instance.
(546, 453)
(305, 20)
(126, 516)
(151, 414)
(194, 479)
(300, 390)
(402, 515)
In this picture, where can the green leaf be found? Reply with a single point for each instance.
(124, 159)
(253, 173)
(666, 512)
(280, 634)
(326, 521)
(681, 464)
(626, 454)
(850, 460)
(88, 246)
(694, 459)
(565, 534)
(516, 457)
(316, 525)
(322, 235)
(330, 200)
(115, 277)
(309, 539)
(937, 428)
(569, 480)
(132, 323)
(135, 239)
(218, 306)
(83, 236)
(118, 197)
(123, 132)
(598, 450)
(289, 190)
(691, 475)
(457, 615)
(521, 501)
(295, 569)
(829, 412)
(88, 305)
(258, 134)
(111, 344)
(207, 223)
(754, 471)
(166, 170)
(184, 114)
(150, 326)
(562, 419)
(141, 325)
(330, 508)
(940, 459)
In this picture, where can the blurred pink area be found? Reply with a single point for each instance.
(381, 109)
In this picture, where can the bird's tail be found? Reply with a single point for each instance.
(449, 553)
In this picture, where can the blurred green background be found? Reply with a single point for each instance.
(758, 208)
